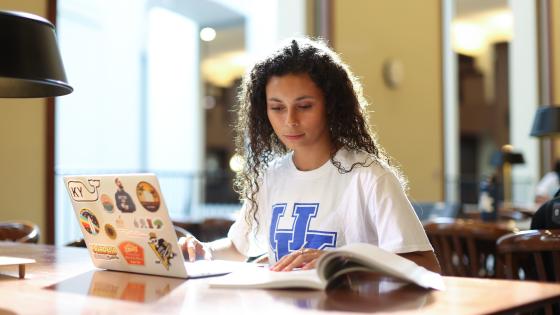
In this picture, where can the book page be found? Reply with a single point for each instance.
(264, 278)
(370, 257)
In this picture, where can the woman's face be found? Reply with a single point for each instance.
(297, 112)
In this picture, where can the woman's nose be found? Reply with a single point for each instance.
(292, 119)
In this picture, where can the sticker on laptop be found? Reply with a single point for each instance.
(110, 231)
(119, 222)
(162, 249)
(132, 253)
(84, 192)
(123, 199)
(148, 196)
(105, 252)
(148, 223)
(107, 203)
(89, 221)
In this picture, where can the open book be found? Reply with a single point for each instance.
(345, 259)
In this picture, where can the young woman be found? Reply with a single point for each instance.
(315, 177)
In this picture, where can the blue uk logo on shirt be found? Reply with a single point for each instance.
(285, 241)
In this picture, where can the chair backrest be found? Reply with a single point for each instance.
(535, 252)
(214, 228)
(465, 248)
(19, 231)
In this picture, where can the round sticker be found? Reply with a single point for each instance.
(89, 221)
(110, 231)
(107, 203)
(158, 224)
(148, 196)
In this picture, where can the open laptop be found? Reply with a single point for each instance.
(126, 226)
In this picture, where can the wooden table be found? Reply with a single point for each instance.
(64, 281)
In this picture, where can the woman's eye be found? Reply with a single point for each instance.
(276, 108)
(304, 106)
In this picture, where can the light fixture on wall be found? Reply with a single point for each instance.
(393, 73)
(30, 62)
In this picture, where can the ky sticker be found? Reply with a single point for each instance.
(82, 192)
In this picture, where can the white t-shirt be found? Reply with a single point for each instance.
(325, 209)
(548, 185)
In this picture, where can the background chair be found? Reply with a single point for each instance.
(531, 255)
(19, 231)
(465, 248)
(207, 230)
(212, 229)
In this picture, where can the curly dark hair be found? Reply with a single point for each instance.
(255, 139)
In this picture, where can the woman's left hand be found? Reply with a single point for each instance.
(305, 258)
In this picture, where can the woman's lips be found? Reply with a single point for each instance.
(293, 137)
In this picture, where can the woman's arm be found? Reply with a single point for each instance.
(426, 259)
(219, 249)
(225, 250)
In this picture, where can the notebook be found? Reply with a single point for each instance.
(126, 227)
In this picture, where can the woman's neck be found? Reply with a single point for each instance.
(309, 160)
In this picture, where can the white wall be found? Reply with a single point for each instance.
(450, 107)
(524, 97)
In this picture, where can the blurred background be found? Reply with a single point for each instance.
(450, 83)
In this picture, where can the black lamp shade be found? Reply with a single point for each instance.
(30, 62)
(546, 122)
(499, 158)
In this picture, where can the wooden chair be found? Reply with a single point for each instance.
(535, 252)
(214, 228)
(465, 248)
(532, 255)
(19, 231)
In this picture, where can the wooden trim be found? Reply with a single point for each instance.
(551, 32)
(49, 151)
(443, 174)
(546, 76)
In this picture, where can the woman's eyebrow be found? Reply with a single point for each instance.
(303, 97)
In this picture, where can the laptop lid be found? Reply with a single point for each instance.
(125, 223)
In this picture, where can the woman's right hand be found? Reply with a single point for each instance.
(194, 249)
